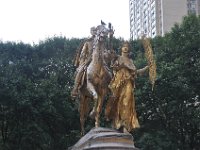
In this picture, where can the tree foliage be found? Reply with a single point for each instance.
(170, 114)
(36, 109)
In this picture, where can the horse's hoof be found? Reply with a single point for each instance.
(95, 96)
(82, 133)
(74, 95)
(92, 114)
(96, 125)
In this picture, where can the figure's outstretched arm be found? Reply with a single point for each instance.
(141, 72)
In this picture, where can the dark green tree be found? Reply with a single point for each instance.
(170, 114)
(36, 108)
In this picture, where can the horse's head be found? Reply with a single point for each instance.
(102, 32)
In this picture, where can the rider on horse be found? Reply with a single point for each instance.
(83, 61)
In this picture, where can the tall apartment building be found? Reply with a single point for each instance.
(156, 17)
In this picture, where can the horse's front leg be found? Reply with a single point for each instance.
(92, 89)
(94, 94)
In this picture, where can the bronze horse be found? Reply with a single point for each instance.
(96, 80)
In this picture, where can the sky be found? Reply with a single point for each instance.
(31, 21)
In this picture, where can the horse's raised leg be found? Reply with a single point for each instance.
(83, 108)
(94, 94)
(92, 89)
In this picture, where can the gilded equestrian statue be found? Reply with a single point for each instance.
(96, 79)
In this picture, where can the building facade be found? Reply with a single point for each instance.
(156, 17)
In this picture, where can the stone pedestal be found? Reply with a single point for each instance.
(105, 139)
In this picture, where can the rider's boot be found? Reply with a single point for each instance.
(74, 92)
